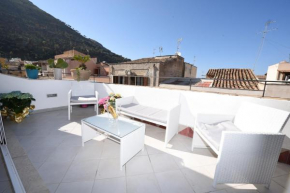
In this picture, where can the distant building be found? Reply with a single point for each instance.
(150, 71)
(102, 69)
(190, 70)
(72, 64)
(261, 77)
(233, 79)
(279, 71)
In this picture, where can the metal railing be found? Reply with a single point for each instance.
(13, 174)
(261, 87)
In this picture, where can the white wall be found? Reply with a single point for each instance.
(39, 89)
(272, 73)
(191, 101)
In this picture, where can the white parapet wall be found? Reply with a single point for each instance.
(191, 102)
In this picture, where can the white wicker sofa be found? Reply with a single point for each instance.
(152, 109)
(248, 144)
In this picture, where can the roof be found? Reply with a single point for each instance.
(69, 54)
(261, 77)
(233, 78)
(156, 59)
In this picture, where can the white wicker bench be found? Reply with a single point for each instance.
(166, 115)
(248, 144)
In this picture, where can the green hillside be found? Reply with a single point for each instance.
(32, 34)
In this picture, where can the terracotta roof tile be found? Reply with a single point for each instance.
(233, 78)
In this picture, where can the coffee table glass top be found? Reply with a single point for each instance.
(119, 128)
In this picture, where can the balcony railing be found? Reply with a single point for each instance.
(13, 174)
(258, 88)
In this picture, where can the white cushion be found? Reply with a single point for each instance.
(131, 108)
(146, 112)
(84, 99)
(213, 132)
(160, 116)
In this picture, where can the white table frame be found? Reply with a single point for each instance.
(130, 144)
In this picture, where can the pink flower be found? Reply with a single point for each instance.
(103, 101)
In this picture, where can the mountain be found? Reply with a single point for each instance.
(32, 34)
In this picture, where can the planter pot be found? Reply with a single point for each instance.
(83, 74)
(32, 73)
(57, 74)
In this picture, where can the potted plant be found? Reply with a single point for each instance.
(111, 99)
(58, 66)
(16, 105)
(81, 73)
(32, 71)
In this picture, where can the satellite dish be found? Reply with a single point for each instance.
(178, 53)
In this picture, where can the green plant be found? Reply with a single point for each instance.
(31, 67)
(16, 101)
(82, 59)
(60, 63)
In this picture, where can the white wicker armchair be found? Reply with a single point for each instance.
(248, 144)
(82, 93)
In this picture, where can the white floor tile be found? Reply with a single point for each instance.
(111, 149)
(113, 185)
(52, 187)
(139, 165)
(75, 187)
(110, 168)
(274, 188)
(173, 182)
(199, 179)
(53, 172)
(163, 162)
(284, 181)
(82, 171)
(142, 184)
(40, 155)
(92, 150)
(64, 153)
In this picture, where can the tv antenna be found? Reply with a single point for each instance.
(194, 60)
(264, 33)
(178, 46)
(153, 52)
(160, 50)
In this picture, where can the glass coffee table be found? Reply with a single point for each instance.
(129, 133)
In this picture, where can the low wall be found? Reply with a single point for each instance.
(191, 102)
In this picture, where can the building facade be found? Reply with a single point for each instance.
(279, 71)
(72, 64)
(149, 71)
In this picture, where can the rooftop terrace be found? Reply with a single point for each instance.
(53, 145)
(47, 151)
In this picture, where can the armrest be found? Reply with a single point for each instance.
(124, 101)
(97, 95)
(69, 96)
(213, 118)
(240, 151)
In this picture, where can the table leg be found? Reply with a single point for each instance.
(88, 133)
(131, 144)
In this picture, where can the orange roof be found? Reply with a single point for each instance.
(233, 78)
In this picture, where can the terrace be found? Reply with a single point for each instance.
(47, 151)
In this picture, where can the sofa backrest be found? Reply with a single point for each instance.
(258, 118)
(82, 88)
(156, 98)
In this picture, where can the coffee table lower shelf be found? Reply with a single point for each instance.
(130, 144)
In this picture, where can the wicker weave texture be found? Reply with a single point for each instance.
(248, 157)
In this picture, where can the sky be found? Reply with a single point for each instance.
(215, 33)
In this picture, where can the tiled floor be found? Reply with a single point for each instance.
(5, 184)
(53, 145)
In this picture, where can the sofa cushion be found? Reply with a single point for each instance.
(145, 112)
(160, 116)
(131, 108)
(83, 99)
(213, 132)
